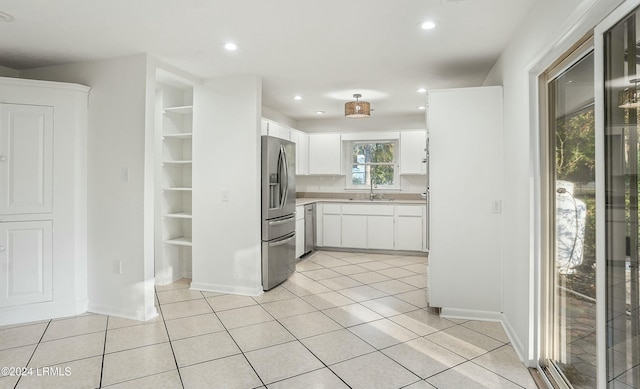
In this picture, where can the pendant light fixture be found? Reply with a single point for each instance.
(357, 109)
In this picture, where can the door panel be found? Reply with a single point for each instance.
(25, 262)
(26, 159)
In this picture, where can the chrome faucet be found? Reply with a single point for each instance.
(371, 194)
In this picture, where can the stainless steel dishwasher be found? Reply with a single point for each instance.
(309, 227)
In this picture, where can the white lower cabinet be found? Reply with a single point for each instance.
(380, 232)
(332, 230)
(26, 256)
(409, 231)
(354, 231)
(410, 227)
(372, 226)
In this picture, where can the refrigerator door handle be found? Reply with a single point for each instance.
(281, 242)
(284, 180)
(283, 221)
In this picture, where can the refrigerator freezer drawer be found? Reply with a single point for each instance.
(278, 260)
(276, 228)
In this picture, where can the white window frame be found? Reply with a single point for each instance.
(396, 168)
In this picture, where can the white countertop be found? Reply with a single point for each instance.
(304, 201)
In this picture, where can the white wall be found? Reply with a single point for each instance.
(116, 140)
(465, 163)
(550, 28)
(8, 72)
(374, 123)
(226, 159)
(276, 116)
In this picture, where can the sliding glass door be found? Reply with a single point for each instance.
(570, 200)
(621, 163)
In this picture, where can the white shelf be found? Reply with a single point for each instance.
(179, 215)
(184, 110)
(176, 163)
(180, 241)
(178, 189)
(186, 135)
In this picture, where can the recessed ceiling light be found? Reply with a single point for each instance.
(230, 46)
(422, 107)
(319, 112)
(297, 97)
(421, 90)
(428, 25)
(5, 17)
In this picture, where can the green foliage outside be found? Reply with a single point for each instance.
(575, 162)
(373, 160)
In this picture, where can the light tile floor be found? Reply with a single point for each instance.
(343, 320)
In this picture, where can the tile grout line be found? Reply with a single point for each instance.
(312, 353)
(104, 350)
(465, 359)
(34, 351)
(236, 343)
(175, 360)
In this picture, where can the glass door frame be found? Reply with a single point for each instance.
(571, 57)
(606, 24)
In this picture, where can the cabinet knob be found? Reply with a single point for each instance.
(2, 158)
(1, 249)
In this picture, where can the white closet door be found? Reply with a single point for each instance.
(26, 262)
(26, 159)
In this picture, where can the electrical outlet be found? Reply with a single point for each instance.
(117, 267)
(496, 206)
(225, 196)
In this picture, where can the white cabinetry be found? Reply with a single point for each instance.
(412, 152)
(372, 226)
(410, 227)
(26, 262)
(325, 154)
(331, 225)
(26, 182)
(43, 182)
(277, 130)
(380, 232)
(26, 159)
(173, 226)
(302, 151)
(354, 231)
(299, 231)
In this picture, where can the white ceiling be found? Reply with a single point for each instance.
(324, 50)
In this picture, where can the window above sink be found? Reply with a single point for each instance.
(372, 160)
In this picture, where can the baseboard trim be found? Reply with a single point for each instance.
(143, 314)
(228, 289)
(42, 311)
(466, 314)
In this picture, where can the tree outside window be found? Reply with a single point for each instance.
(373, 160)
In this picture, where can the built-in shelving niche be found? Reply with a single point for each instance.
(174, 133)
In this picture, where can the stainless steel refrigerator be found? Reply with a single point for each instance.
(278, 210)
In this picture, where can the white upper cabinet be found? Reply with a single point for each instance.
(325, 154)
(412, 152)
(274, 129)
(26, 159)
(302, 151)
